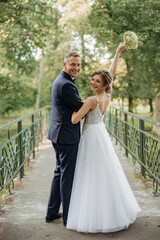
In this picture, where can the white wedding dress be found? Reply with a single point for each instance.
(101, 199)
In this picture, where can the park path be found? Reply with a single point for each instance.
(23, 217)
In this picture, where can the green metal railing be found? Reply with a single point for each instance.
(130, 131)
(24, 135)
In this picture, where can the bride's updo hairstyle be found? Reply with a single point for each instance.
(106, 78)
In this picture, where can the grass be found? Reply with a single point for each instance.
(148, 126)
(13, 129)
(141, 110)
(13, 115)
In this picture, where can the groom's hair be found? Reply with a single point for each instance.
(71, 54)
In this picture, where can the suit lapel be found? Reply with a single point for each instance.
(67, 76)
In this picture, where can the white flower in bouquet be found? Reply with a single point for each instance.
(130, 40)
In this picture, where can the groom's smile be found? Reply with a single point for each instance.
(72, 66)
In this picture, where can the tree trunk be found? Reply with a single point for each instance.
(130, 98)
(83, 53)
(130, 103)
(156, 129)
(122, 103)
(40, 83)
(151, 105)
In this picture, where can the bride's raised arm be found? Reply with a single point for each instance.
(113, 67)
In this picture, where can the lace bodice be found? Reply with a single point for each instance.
(95, 116)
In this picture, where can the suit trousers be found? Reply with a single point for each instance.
(66, 155)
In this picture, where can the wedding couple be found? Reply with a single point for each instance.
(88, 179)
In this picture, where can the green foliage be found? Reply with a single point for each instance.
(15, 93)
(25, 27)
(110, 20)
(31, 26)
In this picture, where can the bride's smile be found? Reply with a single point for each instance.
(97, 83)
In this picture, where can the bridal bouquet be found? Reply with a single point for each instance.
(130, 40)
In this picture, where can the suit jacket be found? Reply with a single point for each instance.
(65, 100)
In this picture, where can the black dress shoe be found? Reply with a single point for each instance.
(64, 223)
(51, 219)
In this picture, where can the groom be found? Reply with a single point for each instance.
(64, 136)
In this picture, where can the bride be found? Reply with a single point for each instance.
(101, 199)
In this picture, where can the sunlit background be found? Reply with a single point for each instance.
(35, 36)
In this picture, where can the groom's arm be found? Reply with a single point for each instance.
(71, 97)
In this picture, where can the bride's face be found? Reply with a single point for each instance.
(97, 84)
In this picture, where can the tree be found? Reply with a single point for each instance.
(110, 19)
(78, 32)
(40, 82)
(25, 26)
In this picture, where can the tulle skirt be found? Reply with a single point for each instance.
(101, 199)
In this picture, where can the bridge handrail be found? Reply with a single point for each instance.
(137, 116)
(17, 148)
(25, 116)
(142, 146)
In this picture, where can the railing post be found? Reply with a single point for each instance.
(126, 134)
(41, 125)
(9, 133)
(141, 154)
(20, 138)
(2, 169)
(33, 136)
(45, 122)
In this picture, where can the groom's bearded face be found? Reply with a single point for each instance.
(72, 66)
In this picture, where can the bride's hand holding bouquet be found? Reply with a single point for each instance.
(130, 41)
(121, 47)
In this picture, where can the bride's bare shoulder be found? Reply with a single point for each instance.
(92, 99)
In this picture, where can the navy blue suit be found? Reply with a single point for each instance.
(65, 138)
